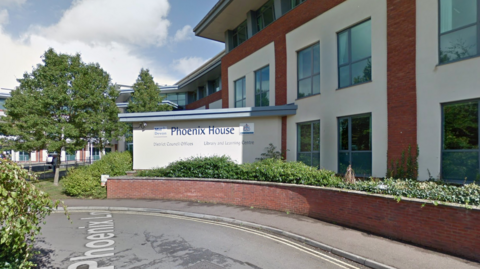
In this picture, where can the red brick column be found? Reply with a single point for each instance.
(401, 77)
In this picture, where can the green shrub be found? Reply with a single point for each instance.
(85, 181)
(22, 208)
(198, 167)
(274, 170)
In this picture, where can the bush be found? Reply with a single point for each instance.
(22, 208)
(198, 167)
(274, 170)
(85, 181)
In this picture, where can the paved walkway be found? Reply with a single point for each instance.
(382, 250)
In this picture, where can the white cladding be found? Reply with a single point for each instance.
(164, 142)
(215, 105)
(437, 84)
(246, 68)
(332, 102)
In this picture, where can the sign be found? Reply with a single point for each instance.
(247, 128)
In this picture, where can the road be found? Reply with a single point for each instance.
(113, 239)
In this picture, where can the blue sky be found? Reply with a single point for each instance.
(121, 35)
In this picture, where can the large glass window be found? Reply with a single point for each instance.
(262, 86)
(460, 151)
(308, 71)
(240, 95)
(177, 98)
(24, 156)
(70, 155)
(2, 104)
(265, 15)
(308, 143)
(355, 144)
(240, 34)
(458, 29)
(355, 55)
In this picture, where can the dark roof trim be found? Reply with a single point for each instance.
(226, 113)
(211, 15)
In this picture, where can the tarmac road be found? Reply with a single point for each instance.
(114, 239)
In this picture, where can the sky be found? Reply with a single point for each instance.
(123, 36)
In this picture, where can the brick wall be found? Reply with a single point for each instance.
(205, 101)
(448, 229)
(401, 77)
(276, 33)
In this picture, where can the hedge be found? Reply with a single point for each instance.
(84, 181)
(273, 170)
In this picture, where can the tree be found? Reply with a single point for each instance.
(56, 105)
(146, 95)
(104, 124)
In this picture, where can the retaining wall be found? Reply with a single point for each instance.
(448, 228)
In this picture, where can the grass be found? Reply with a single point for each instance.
(55, 192)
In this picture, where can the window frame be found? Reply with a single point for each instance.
(350, 63)
(311, 70)
(477, 23)
(260, 14)
(311, 141)
(235, 40)
(244, 94)
(442, 141)
(259, 71)
(349, 151)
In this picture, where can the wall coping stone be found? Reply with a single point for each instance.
(276, 184)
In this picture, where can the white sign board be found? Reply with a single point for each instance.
(166, 142)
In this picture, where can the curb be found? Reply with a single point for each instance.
(347, 255)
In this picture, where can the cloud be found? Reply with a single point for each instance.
(187, 64)
(3, 17)
(141, 23)
(183, 34)
(117, 59)
(6, 3)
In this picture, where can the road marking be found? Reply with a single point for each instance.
(289, 243)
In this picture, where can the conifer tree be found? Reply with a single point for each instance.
(146, 95)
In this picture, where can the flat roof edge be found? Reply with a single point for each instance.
(284, 110)
(211, 15)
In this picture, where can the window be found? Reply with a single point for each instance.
(355, 144)
(265, 15)
(2, 104)
(240, 34)
(262, 86)
(240, 96)
(308, 143)
(96, 154)
(308, 71)
(177, 98)
(460, 151)
(355, 55)
(458, 29)
(202, 92)
(296, 2)
(24, 156)
(214, 86)
(70, 155)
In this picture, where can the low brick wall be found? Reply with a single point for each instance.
(447, 228)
